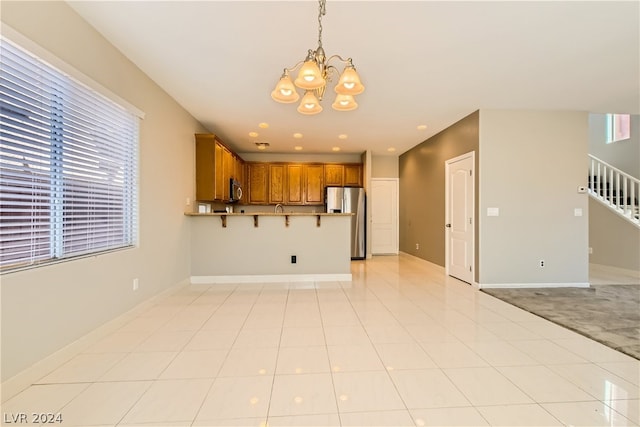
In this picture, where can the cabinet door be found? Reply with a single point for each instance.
(295, 193)
(314, 186)
(205, 167)
(334, 175)
(227, 171)
(239, 171)
(276, 183)
(219, 190)
(258, 183)
(353, 175)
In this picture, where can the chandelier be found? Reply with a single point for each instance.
(313, 76)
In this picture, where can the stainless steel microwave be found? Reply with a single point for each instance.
(235, 190)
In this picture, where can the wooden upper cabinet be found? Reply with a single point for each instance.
(295, 185)
(228, 169)
(353, 175)
(215, 166)
(276, 183)
(238, 173)
(219, 193)
(314, 184)
(258, 180)
(205, 167)
(333, 175)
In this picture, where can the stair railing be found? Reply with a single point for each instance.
(615, 188)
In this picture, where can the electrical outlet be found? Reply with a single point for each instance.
(541, 263)
(590, 251)
(294, 259)
(188, 201)
(417, 245)
(135, 284)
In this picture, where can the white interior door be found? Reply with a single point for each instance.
(460, 194)
(384, 216)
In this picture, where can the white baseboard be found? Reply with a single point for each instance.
(19, 382)
(271, 278)
(532, 285)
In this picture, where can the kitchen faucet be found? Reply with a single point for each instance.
(279, 205)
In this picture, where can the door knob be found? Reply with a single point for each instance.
(448, 225)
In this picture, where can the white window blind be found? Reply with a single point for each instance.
(68, 165)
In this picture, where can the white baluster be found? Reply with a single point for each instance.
(625, 196)
(617, 191)
(599, 185)
(611, 196)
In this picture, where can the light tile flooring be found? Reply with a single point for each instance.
(401, 345)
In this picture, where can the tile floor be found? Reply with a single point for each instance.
(401, 345)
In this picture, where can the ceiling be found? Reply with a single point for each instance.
(422, 63)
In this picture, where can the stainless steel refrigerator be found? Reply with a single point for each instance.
(350, 200)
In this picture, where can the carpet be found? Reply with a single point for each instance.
(609, 314)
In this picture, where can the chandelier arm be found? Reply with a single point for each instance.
(295, 67)
(348, 60)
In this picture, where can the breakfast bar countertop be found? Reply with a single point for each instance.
(267, 214)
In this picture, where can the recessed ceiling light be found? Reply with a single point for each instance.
(391, 149)
(263, 125)
(253, 134)
(297, 135)
(343, 136)
(422, 127)
(297, 148)
(335, 149)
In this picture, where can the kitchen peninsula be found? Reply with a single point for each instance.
(261, 246)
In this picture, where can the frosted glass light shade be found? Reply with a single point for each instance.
(309, 76)
(285, 91)
(344, 103)
(309, 104)
(349, 82)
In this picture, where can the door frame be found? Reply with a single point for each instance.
(447, 215)
(396, 207)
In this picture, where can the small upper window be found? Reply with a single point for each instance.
(618, 127)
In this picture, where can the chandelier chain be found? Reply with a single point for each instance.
(321, 11)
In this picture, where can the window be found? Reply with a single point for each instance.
(68, 165)
(618, 127)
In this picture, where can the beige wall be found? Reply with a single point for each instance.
(422, 188)
(384, 167)
(531, 164)
(46, 308)
(614, 240)
(218, 251)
